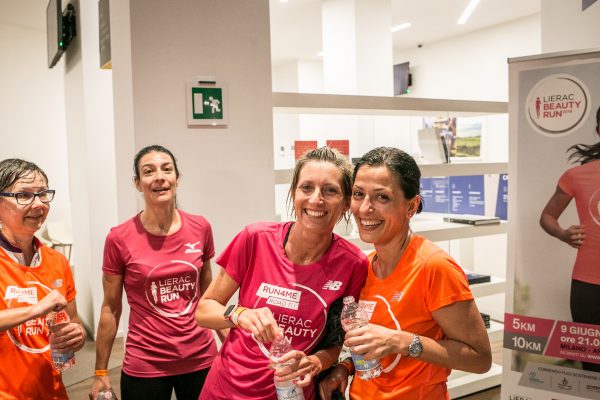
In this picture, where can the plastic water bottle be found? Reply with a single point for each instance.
(55, 321)
(286, 390)
(106, 394)
(353, 316)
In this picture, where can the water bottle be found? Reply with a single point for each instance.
(55, 321)
(353, 316)
(286, 390)
(106, 394)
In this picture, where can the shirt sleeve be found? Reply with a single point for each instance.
(209, 245)
(113, 263)
(565, 182)
(69, 282)
(236, 257)
(359, 276)
(447, 282)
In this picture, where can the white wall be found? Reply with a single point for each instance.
(227, 172)
(566, 27)
(472, 66)
(90, 146)
(32, 110)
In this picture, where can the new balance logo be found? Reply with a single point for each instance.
(397, 296)
(192, 248)
(332, 285)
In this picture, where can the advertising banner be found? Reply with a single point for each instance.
(552, 321)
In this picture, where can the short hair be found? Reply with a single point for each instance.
(324, 154)
(401, 165)
(13, 169)
(155, 148)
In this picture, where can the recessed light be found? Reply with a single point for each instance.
(320, 54)
(401, 26)
(467, 13)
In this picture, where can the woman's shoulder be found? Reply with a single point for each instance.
(350, 249)
(195, 219)
(123, 228)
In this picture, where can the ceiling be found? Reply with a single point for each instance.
(296, 24)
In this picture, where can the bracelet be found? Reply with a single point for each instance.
(101, 372)
(236, 315)
(347, 363)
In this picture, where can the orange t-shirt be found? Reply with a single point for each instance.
(425, 279)
(26, 370)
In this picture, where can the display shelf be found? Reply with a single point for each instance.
(495, 331)
(284, 176)
(310, 103)
(463, 383)
(495, 286)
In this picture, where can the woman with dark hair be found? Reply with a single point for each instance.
(34, 280)
(583, 184)
(423, 319)
(161, 257)
(288, 275)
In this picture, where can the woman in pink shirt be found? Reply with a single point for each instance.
(581, 183)
(288, 275)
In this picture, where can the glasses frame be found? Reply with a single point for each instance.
(16, 196)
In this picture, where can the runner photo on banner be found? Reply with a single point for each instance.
(552, 320)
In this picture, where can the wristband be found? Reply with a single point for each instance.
(347, 363)
(236, 314)
(101, 372)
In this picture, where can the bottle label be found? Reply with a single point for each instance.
(289, 393)
(362, 365)
(61, 358)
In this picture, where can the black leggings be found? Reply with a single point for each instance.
(585, 308)
(187, 386)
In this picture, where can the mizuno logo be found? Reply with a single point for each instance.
(192, 248)
(332, 285)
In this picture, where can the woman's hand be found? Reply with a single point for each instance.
(68, 337)
(337, 379)
(260, 322)
(374, 341)
(53, 301)
(298, 367)
(573, 236)
(99, 384)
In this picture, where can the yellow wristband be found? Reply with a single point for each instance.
(101, 372)
(236, 315)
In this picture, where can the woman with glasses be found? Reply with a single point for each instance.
(34, 280)
(161, 257)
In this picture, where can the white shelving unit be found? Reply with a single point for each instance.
(429, 225)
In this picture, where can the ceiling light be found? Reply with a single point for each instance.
(401, 26)
(467, 13)
(320, 54)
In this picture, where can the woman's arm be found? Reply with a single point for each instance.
(211, 307)
(205, 280)
(110, 314)
(466, 344)
(573, 235)
(53, 301)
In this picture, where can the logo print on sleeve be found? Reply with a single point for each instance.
(31, 336)
(289, 306)
(172, 288)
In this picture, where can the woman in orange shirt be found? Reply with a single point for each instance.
(423, 319)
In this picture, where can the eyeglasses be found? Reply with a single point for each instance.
(25, 198)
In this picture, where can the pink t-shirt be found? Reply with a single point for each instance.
(583, 183)
(298, 295)
(161, 276)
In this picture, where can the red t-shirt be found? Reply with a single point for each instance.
(161, 275)
(26, 370)
(298, 295)
(425, 279)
